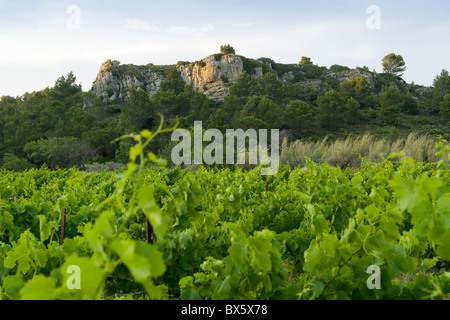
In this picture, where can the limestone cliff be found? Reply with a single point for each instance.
(114, 80)
(212, 75)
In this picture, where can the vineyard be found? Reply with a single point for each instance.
(306, 233)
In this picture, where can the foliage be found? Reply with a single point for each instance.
(308, 233)
(386, 105)
(353, 151)
(61, 152)
(305, 61)
(393, 64)
(331, 109)
(13, 163)
(445, 109)
(227, 49)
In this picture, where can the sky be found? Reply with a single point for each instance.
(42, 40)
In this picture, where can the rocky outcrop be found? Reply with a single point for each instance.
(344, 76)
(213, 75)
(114, 81)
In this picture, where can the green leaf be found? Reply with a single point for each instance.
(39, 288)
(224, 288)
(320, 225)
(91, 277)
(430, 185)
(238, 253)
(188, 291)
(144, 261)
(159, 222)
(443, 207)
(261, 262)
(11, 286)
(443, 249)
(405, 192)
(313, 257)
(44, 227)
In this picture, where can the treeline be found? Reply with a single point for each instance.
(63, 126)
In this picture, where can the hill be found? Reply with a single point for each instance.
(63, 126)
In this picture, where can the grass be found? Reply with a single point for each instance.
(349, 151)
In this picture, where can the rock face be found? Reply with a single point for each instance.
(344, 76)
(213, 75)
(114, 81)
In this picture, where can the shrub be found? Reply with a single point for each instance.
(182, 63)
(63, 152)
(108, 166)
(13, 163)
(227, 49)
(337, 68)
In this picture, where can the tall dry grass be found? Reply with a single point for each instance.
(348, 152)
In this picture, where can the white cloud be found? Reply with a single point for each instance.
(191, 31)
(242, 25)
(32, 59)
(138, 25)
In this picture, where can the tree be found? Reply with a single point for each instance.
(78, 121)
(122, 153)
(393, 98)
(353, 111)
(174, 81)
(63, 152)
(441, 86)
(249, 108)
(271, 86)
(268, 111)
(13, 163)
(243, 87)
(227, 49)
(218, 120)
(357, 87)
(66, 88)
(393, 64)
(305, 61)
(138, 109)
(332, 109)
(299, 116)
(99, 139)
(391, 103)
(250, 122)
(444, 109)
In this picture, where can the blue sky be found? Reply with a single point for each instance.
(39, 42)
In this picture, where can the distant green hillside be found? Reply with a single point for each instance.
(64, 126)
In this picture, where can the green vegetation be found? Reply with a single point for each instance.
(305, 233)
(393, 64)
(227, 49)
(305, 101)
(305, 61)
(353, 151)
